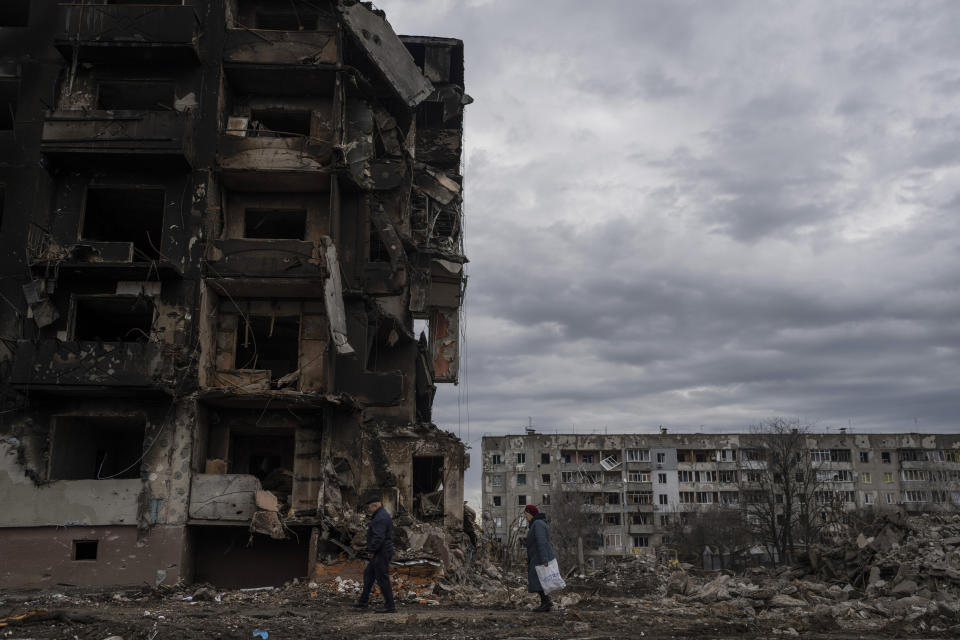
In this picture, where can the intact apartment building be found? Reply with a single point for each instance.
(220, 221)
(635, 484)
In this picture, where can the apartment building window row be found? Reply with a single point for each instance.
(640, 542)
(496, 458)
(944, 475)
(706, 455)
(521, 479)
(913, 475)
(640, 497)
(831, 455)
(706, 476)
(838, 475)
(638, 455)
(828, 497)
(638, 476)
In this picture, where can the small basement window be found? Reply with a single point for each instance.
(113, 214)
(269, 343)
(85, 549)
(96, 447)
(279, 123)
(135, 95)
(9, 96)
(275, 224)
(113, 318)
(14, 13)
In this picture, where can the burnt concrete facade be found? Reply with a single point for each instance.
(219, 220)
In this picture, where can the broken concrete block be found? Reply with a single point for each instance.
(905, 588)
(782, 600)
(216, 466)
(268, 523)
(266, 501)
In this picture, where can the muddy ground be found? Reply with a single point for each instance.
(301, 612)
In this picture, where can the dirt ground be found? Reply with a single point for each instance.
(299, 612)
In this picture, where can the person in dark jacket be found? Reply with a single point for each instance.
(539, 552)
(380, 550)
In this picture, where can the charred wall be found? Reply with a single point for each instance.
(217, 229)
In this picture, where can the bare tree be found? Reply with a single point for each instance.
(778, 488)
(720, 527)
(573, 524)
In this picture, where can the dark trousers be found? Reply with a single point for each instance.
(378, 569)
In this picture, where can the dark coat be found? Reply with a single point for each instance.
(539, 550)
(380, 534)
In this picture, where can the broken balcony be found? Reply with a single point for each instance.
(128, 33)
(281, 62)
(256, 161)
(109, 347)
(75, 138)
(52, 365)
(277, 236)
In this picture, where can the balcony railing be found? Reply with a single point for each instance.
(84, 136)
(127, 33)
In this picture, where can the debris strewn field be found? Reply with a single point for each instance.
(905, 583)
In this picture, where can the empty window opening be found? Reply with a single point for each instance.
(445, 225)
(135, 95)
(275, 224)
(230, 558)
(14, 13)
(94, 447)
(419, 53)
(113, 318)
(378, 250)
(268, 457)
(296, 17)
(428, 486)
(279, 123)
(9, 96)
(430, 114)
(269, 343)
(85, 549)
(125, 215)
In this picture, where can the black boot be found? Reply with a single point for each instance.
(545, 604)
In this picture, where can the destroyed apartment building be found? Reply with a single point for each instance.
(220, 222)
(634, 489)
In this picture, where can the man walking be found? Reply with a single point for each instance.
(380, 550)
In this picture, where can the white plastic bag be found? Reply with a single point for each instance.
(550, 578)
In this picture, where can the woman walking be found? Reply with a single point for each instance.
(539, 552)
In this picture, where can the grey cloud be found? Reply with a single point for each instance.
(702, 214)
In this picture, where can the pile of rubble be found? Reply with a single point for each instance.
(895, 554)
(637, 576)
(897, 571)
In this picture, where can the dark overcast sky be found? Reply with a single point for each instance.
(703, 214)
